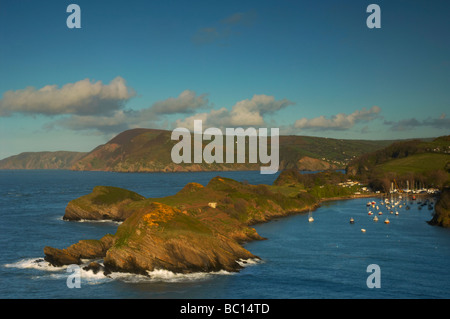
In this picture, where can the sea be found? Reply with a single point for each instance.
(329, 258)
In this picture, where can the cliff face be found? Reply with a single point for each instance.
(162, 237)
(104, 203)
(86, 249)
(442, 210)
(313, 164)
(201, 228)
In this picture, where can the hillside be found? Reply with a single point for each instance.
(415, 163)
(42, 160)
(148, 150)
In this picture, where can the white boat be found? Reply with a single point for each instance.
(310, 218)
(386, 221)
(375, 219)
(363, 230)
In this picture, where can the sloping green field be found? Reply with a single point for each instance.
(417, 163)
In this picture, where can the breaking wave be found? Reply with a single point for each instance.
(93, 221)
(89, 277)
(161, 275)
(34, 263)
(249, 262)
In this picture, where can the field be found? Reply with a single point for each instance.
(418, 163)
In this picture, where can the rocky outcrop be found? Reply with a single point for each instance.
(313, 164)
(84, 249)
(181, 233)
(441, 216)
(104, 203)
(162, 237)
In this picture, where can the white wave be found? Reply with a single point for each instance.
(99, 221)
(248, 262)
(59, 273)
(34, 263)
(89, 277)
(161, 275)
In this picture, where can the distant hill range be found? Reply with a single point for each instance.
(149, 150)
(42, 160)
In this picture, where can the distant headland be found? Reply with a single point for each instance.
(149, 150)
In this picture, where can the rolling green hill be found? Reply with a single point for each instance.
(416, 163)
(149, 150)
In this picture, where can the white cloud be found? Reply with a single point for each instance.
(186, 102)
(81, 98)
(244, 113)
(119, 120)
(339, 121)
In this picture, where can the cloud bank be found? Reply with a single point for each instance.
(101, 108)
(80, 98)
(339, 121)
(245, 113)
(186, 103)
(410, 124)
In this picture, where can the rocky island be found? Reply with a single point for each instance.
(199, 229)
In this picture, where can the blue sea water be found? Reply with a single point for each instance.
(327, 258)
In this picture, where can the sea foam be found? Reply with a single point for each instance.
(34, 263)
(157, 275)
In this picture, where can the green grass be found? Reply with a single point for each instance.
(108, 195)
(417, 163)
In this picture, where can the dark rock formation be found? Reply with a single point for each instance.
(441, 216)
(84, 249)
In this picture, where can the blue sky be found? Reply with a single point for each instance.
(307, 67)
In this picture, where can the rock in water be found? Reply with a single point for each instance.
(84, 249)
(181, 233)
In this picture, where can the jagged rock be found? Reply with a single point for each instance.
(84, 249)
(162, 237)
(95, 267)
(59, 257)
(441, 216)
